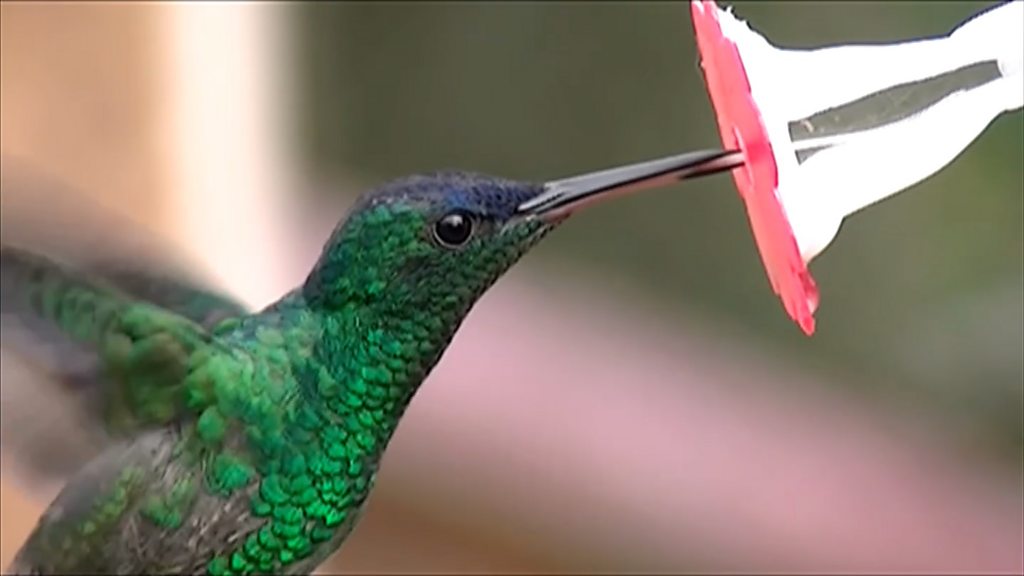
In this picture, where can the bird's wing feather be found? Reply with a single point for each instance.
(168, 290)
(54, 385)
(122, 363)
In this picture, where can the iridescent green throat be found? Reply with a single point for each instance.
(316, 443)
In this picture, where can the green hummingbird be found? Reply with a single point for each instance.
(248, 442)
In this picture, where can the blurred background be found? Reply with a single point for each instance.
(632, 397)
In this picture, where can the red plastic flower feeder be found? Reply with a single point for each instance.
(741, 128)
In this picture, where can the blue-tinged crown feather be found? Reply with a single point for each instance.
(487, 196)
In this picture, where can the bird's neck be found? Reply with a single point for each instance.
(362, 366)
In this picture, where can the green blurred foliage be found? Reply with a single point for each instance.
(921, 295)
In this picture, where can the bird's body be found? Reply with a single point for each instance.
(248, 443)
(266, 471)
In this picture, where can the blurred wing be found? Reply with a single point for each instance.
(118, 357)
(205, 307)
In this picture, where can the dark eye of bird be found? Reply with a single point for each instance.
(454, 229)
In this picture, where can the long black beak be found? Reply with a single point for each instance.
(562, 197)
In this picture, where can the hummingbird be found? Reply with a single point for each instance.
(244, 443)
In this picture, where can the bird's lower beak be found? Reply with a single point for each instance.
(562, 197)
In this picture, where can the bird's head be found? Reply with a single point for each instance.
(423, 249)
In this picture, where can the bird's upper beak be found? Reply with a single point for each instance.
(562, 197)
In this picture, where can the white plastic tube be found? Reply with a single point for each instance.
(979, 65)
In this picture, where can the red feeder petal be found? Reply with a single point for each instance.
(741, 128)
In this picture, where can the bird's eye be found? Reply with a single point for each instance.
(454, 229)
